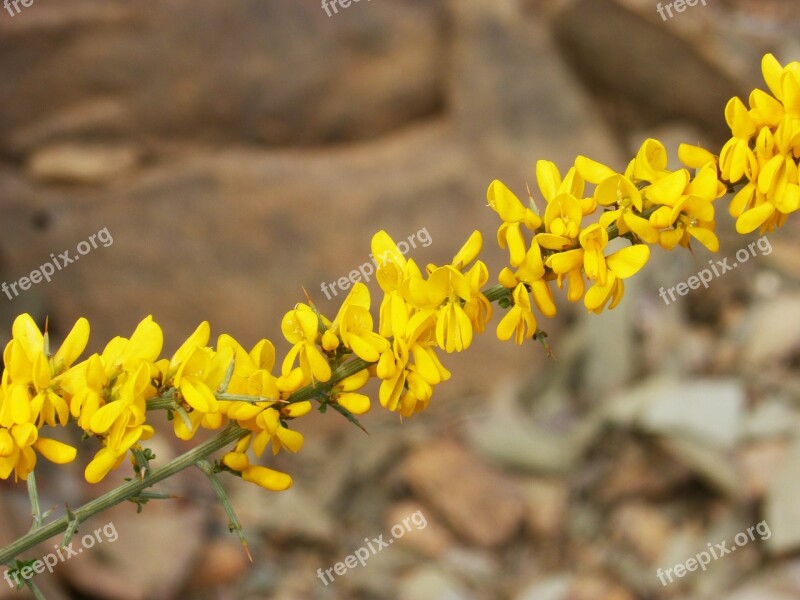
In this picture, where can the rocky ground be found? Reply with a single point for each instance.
(238, 152)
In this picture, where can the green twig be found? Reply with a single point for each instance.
(33, 494)
(124, 492)
(234, 524)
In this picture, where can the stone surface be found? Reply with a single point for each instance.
(482, 505)
(426, 536)
(300, 77)
(774, 332)
(82, 164)
(781, 510)
(429, 583)
(133, 567)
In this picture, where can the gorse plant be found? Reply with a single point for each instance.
(112, 396)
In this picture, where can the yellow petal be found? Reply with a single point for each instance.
(297, 409)
(236, 460)
(772, 71)
(290, 439)
(516, 244)
(503, 201)
(200, 338)
(27, 334)
(20, 405)
(543, 298)
(263, 354)
(469, 251)
(548, 178)
(752, 219)
(651, 159)
(24, 435)
(105, 417)
(592, 171)
(358, 404)
(267, 478)
(627, 261)
(198, 396)
(694, 157)
(101, 465)
(74, 344)
(55, 451)
(705, 237)
(668, 190)
(320, 368)
(564, 262)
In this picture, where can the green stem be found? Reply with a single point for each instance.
(216, 485)
(37, 593)
(116, 496)
(33, 494)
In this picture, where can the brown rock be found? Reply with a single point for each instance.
(222, 561)
(546, 504)
(430, 538)
(760, 464)
(481, 504)
(279, 73)
(598, 588)
(137, 565)
(82, 163)
(644, 528)
(660, 75)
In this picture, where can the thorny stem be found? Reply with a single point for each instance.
(33, 494)
(235, 524)
(118, 495)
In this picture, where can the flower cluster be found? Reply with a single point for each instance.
(765, 149)
(108, 396)
(646, 204)
(595, 231)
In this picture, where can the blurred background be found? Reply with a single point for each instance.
(239, 152)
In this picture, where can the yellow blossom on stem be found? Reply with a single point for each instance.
(301, 328)
(514, 216)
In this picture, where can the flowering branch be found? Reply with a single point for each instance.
(423, 312)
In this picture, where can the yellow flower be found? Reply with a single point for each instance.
(695, 157)
(344, 393)
(650, 163)
(687, 210)
(354, 326)
(407, 386)
(265, 477)
(30, 380)
(455, 295)
(736, 159)
(301, 328)
(562, 223)
(109, 392)
(773, 190)
(606, 271)
(551, 185)
(619, 191)
(393, 269)
(514, 216)
(519, 321)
